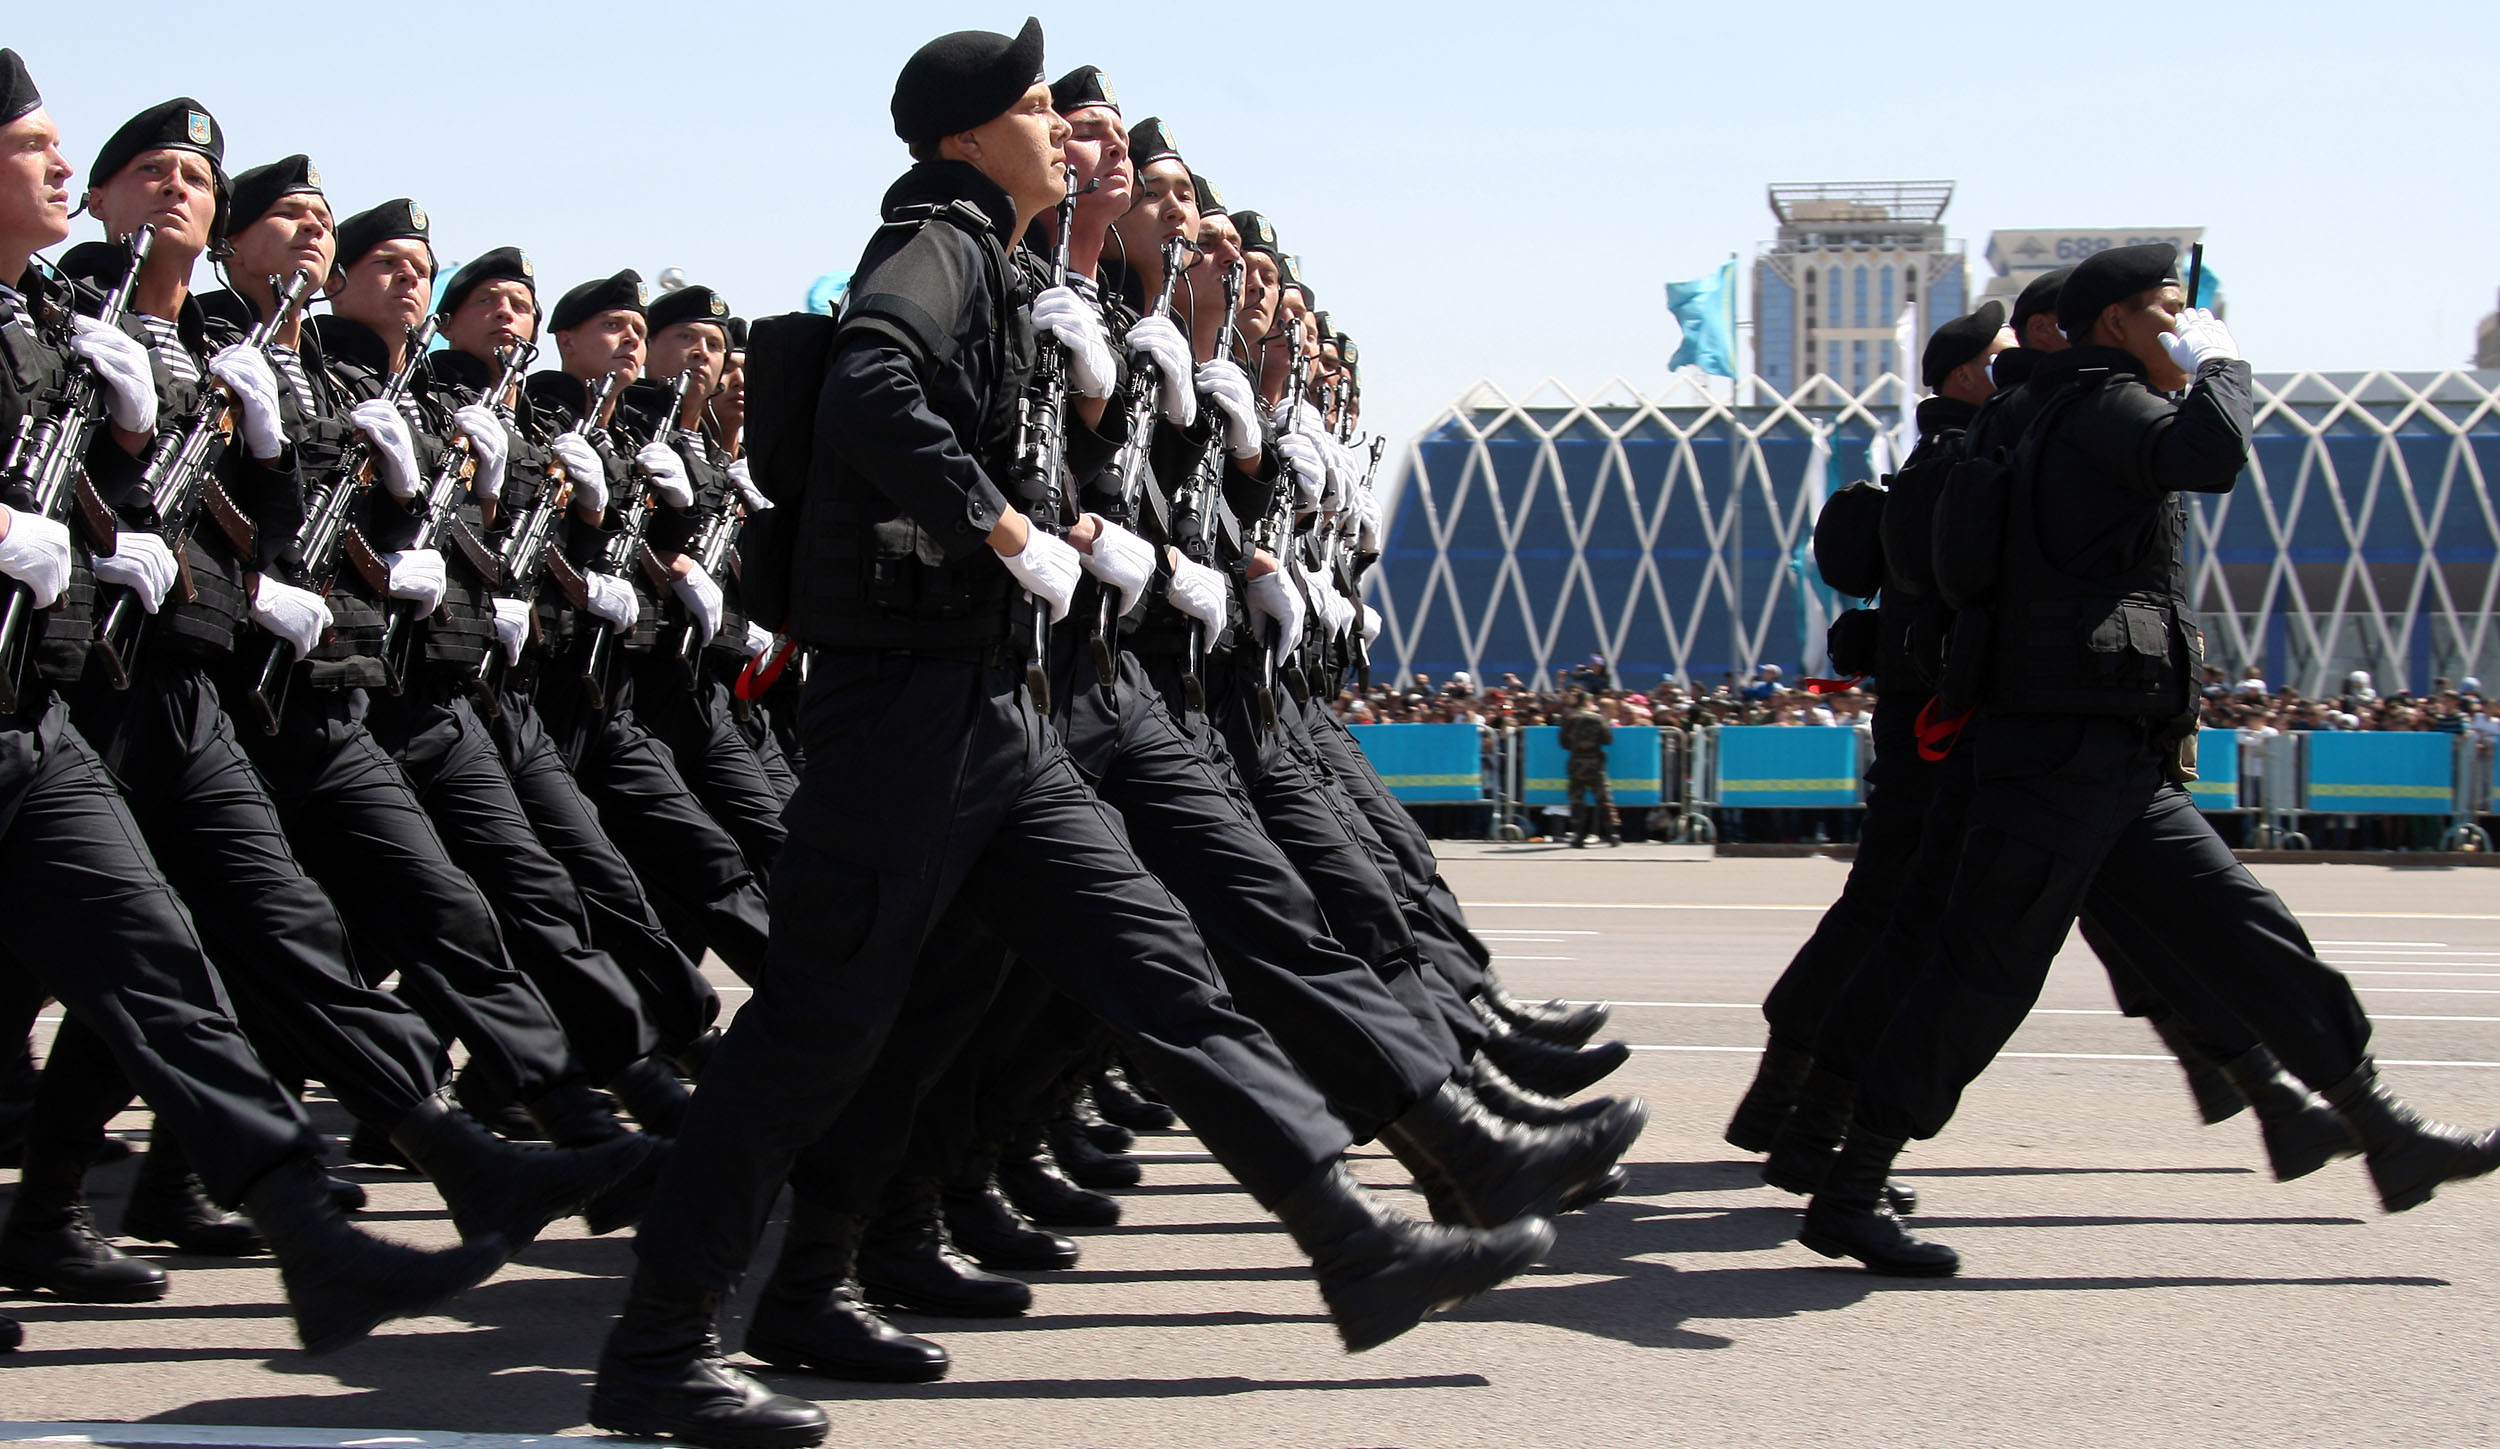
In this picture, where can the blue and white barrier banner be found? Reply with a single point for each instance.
(2380, 773)
(1632, 769)
(1426, 764)
(1779, 765)
(2217, 782)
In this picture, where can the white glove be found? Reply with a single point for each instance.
(489, 447)
(583, 469)
(742, 478)
(1366, 521)
(1326, 605)
(394, 456)
(1122, 560)
(1371, 624)
(1048, 569)
(759, 638)
(1310, 468)
(36, 554)
(1160, 341)
(1077, 324)
(512, 627)
(666, 473)
(1344, 475)
(121, 369)
(2200, 338)
(1228, 387)
(141, 563)
(695, 589)
(1273, 597)
(418, 575)
(247, 375)
(612, 599)
(1199, 592)
(298, 616)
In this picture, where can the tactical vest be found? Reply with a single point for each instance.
(349, 654)
(204, 626)
(58, 638)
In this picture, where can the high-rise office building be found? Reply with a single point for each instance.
(2015, 257)
(1848, 257)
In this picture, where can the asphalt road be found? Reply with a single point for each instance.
(2129, 1276)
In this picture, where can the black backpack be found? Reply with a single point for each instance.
(1910, 513)
(1849, 540)
(785, 375)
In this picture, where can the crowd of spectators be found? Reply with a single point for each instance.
(1515, 703)
(2248, 705)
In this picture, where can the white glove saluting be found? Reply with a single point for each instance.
(1199, 592)
(1161, 342)
(1273, 597)
(248, 376)
(35, 552)
(694, 589)
(612, 599)
(298, 616)
(666, 473)
(1077, 324)
(141, 563)
(1122, 560)
(121, 369)
(418, 575)
(2200, 338)
(1048, 569)
(1228, 387)
(583, 469)
(490, 447)
(742, 478)
(512, 628)
(394, 456)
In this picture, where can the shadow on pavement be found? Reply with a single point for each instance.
(1200, 1388)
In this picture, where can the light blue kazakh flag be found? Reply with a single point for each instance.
(1706, 310)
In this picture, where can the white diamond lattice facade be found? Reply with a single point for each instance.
(1670, 535)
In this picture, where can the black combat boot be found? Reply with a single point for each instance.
(2216, 1099)
(1491, 1170)
(1031, 1178)
(1380, 1273)
(695, 1055)
(663, 1373)
(349, 1196)
(1553, 1070)
(342, 1283)
(1849, 1217)
(1557, 1021)
(578, 1117)
(489, 1103)
(1801, 1157)
(907, 1261)
(1122, 1104)
(2409, 1155)
(169, 1205)
(509, 1191)
(13, 1119)
(370, 1146)
(1516, 1102)
(2301, 1132)
(11, 1335)
(1776, 1082)
(1108, 1135)
(1088, 1164)
(810, 1317)
(50, 1242)
(651, 1091)
(986, 1225)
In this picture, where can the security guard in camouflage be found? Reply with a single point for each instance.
(1586, 734)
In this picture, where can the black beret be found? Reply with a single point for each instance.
(396, 220)
(737, 334)
(2113, 276)
(18, 95)
(1959, 341)
(1348, 353)
(1258, 234)
(182, 124)
(620, 293)
(1210, 200)
(688, 304)
(1150, 141)
(503, 264)
(258, 191)
(2038, 295)
(963, 80)
(1084, 86)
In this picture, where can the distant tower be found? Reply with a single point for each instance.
(2487, 342)
(1848, 257)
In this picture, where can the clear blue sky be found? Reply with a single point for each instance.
(1491, 191)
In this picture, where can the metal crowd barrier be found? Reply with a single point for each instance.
(2356, 773)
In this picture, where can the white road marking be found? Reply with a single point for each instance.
(2442, 945)
(1507, 957)
(2035, 1011)
(1548, 931)
(2459, 975)
(221, 1436)
(1720, 906)
(2070, 1056)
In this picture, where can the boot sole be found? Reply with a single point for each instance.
(905, 1303)
(1563, 1196)
(798, 1361)
(636, 1424)
(135, 1293)
(483, 1259)
(1376, 1329)
(1886, 1267)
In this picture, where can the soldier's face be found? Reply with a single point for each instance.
(701, 347)
(1166, 207)
(388, 288)
(1097, 150)
(34, 183)
(2138, 324)
(729, 405)
(611, 342)
(1024, 151)
(295, 235)
(171, 189)
(1258, 295)
(491, 318)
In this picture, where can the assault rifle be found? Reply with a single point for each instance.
(712, 551)
(438, 519)
(1135, 461)
(1276, 527)
(625, 548)
(46, 460)
(1041, 451)
(326, 538)
(1189, 510)
(530, 551)
(181, 478)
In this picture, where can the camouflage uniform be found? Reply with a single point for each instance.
(1586, 734)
